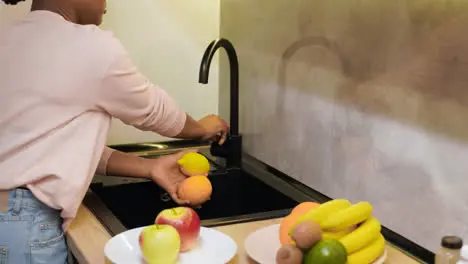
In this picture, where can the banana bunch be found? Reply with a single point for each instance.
(352, 225)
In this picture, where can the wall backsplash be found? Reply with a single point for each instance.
(166, 40)
(366, 100)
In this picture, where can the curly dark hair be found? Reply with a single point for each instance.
(12, 2)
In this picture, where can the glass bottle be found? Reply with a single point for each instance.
(449, 253)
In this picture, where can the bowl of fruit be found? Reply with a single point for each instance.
(175, 237)
(335, 232)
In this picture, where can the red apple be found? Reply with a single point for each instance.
(187, 223)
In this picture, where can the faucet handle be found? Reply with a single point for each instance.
(218, 150)
(231, 150)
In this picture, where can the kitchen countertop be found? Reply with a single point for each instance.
(87, 237)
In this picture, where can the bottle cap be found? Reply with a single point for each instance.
(452, 242)
(464, 253)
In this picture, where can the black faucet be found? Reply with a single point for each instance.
(231, 150)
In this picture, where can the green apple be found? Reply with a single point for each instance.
(160, 244)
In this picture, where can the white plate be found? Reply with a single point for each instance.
(263, 244)
(213, 247)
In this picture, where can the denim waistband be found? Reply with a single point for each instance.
(21, 193)
(21, 198)
(24, 206)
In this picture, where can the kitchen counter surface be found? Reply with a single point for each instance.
(87, 238)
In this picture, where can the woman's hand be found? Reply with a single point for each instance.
(164, 171)
(216, 129)
(167, 173)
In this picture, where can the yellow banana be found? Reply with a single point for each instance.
(335, 234)
(364, 235)
(324, 210)
(368, 254)
(348, 217)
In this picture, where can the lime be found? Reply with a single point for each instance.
(328, 251)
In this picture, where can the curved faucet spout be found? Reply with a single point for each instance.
(234, 76)
(231, 150)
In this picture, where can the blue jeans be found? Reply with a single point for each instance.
(30, 232)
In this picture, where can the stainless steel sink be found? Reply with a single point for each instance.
(143, 147)
(154, 149)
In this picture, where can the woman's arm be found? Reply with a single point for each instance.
(116, 163)
(192, 129)
(123, 164)
(129, 96)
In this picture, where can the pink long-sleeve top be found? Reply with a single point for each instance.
(60, 85)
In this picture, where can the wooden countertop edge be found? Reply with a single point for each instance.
(87, 237)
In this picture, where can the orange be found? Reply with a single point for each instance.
(289, 221)
(285, 226)
(196, 190)
(304, 207)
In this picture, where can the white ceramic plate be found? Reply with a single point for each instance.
(213, 247)
(263, 244)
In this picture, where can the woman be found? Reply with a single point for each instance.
(62, 79)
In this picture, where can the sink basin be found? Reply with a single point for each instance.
(124, 203)
(110, 180)
(235, 193)
(145, 149)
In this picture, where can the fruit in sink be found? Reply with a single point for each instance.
(159, 244)
(193, 164)
(291, 219)
(187, 223)
(195, 189)
(328, 251)
(289, 254)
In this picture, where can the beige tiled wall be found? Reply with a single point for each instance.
(361, 99)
